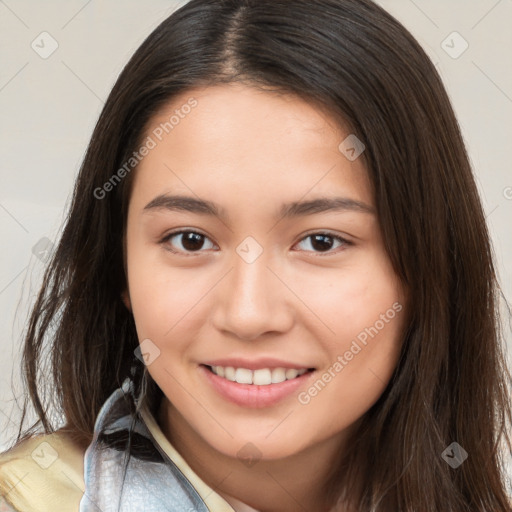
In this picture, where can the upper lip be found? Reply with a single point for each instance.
(255, 364)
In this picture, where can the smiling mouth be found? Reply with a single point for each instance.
(260, 377)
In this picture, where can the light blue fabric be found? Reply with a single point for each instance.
(125, 470)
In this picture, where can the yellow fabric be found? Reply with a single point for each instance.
(45, 474)
(33, 480)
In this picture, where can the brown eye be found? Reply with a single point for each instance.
(322, 242)
(188, 241)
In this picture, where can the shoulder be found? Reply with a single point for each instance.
(43, 473)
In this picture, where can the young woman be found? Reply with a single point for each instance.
(275, 289)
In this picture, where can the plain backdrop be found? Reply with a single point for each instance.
(49, 104)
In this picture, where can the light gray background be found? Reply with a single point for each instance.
(48, 108)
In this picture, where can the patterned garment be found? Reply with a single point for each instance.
(125, 470)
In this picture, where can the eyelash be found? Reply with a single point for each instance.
(342, 241)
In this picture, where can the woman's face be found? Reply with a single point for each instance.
(253, 247)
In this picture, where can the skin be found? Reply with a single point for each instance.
(249, 151)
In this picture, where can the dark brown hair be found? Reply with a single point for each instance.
(356, 61)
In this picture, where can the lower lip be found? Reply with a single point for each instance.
(251, 395)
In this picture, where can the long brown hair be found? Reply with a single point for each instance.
(355, 60)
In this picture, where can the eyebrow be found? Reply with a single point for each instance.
(288, 210)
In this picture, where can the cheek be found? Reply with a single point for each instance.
(360, 364)
(363, 306)
(162, 296)
(351, 298)
(164, 304)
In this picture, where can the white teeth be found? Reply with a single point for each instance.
(261, 377)
(243, 376)
(278, 375)
(291, 373)
(229, 373)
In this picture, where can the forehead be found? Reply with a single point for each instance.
(249, 106)
(220, 140)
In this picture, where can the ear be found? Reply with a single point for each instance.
(125, 297)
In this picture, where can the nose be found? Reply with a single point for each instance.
(252, 301)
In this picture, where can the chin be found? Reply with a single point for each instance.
(259, 446)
